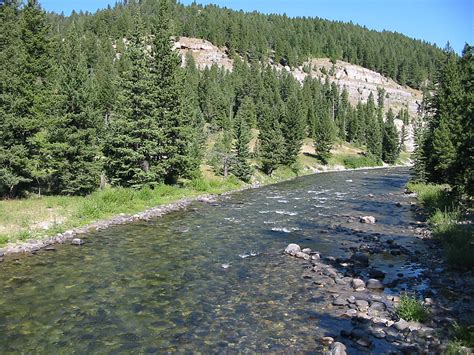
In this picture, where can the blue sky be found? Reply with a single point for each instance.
(435, 21)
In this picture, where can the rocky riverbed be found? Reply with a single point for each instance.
(359, 293)
(211, 275)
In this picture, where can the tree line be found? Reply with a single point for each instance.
(285, 40)
(77, 112)
(445, 131)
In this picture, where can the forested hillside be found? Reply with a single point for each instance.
(91, 99)
(257, 37)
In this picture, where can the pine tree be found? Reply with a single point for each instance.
(292, 127)
(25, 93)
(465, 153)
(324, 133)
(373, 131)
(271, 142)
(134, 143)
(390, 144)
(72, 151)
(445, 123)
(169, 108)
(419, 154)
(242, 168)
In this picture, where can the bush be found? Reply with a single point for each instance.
(411, 309)
(355, 162)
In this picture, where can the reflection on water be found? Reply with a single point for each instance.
(211, 277)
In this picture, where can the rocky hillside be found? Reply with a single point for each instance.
(358, 81)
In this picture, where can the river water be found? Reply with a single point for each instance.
(211, 277)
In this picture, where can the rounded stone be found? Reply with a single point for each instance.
(292, 249)
(358, 284)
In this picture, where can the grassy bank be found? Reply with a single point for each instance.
(38, 217)
(448, 223)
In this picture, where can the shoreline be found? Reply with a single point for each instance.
(32, 246)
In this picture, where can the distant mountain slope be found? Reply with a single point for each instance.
(288, 41)
(358, 81)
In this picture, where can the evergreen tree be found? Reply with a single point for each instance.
(25, 93)
(323, 138)
(445, 122)
(271, 142)
(292, 127)
(373, 131)
(390, 144)
(72, 151)
(419, 155)
(169, 105)
(242, 168)
(134, 143)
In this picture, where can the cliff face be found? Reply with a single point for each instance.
(358, 81)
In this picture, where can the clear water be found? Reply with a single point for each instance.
(184, 282)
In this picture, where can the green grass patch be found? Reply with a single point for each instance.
(24, 217)
(411, 309)
(446, 219)
(359, 161)
(463, 339)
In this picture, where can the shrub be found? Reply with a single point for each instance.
(354, 162)
(411, 309)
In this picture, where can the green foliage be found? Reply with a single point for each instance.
(445, 218)
(355, 162)
(242, 168)
(272, 144)
(411, 309)
(292, 127)
(390, 143)
(323, 137)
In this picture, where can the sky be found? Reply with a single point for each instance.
(435, 21)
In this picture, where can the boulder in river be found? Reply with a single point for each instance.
(77, 241)
(292, 249)
(306, 250)
(367, 219)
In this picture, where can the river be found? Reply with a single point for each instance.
(211, 277)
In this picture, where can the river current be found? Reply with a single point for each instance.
(209, 278)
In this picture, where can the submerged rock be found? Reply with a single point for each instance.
(292, 249)
(367, 219)
(376, 274)
(375, 284)
(77, 241)
(360, 258)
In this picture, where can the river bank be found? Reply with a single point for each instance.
(426, 308)
(94, 216)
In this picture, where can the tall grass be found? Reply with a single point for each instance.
(446, 219)
(79, 211)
